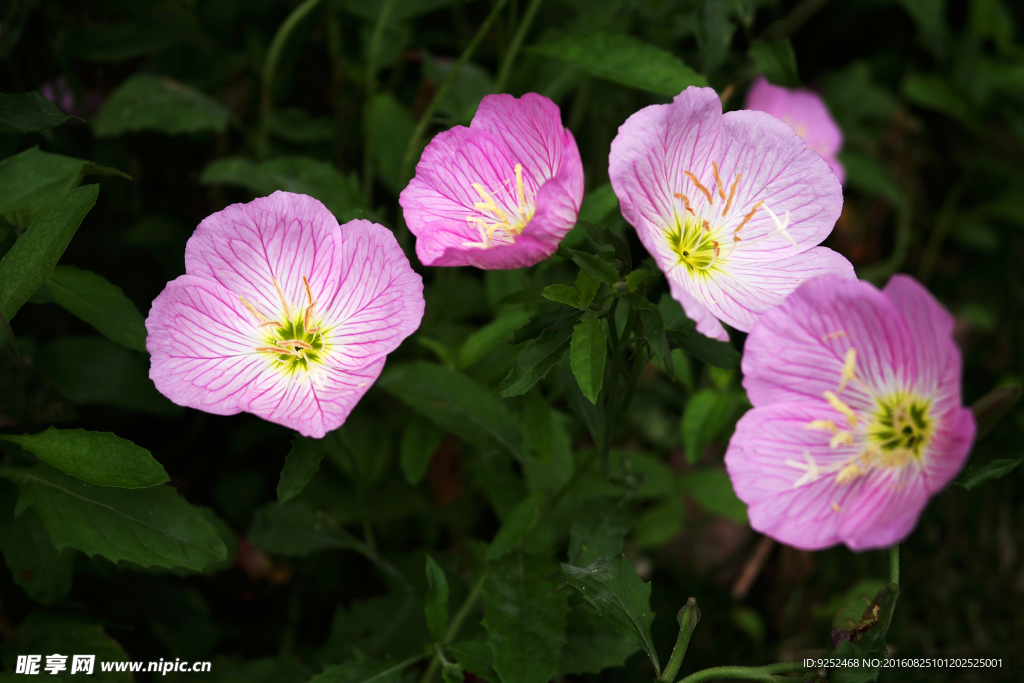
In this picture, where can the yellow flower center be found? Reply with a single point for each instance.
(296, 342)
(497, 223)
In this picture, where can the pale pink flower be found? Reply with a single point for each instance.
(857, 416)
(282, 313)
(808, 115)
(730, 207)
(500, 194)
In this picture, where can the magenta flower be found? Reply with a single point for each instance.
(282, 313)
(857, 416)
(731, 207)
(806, 113)
(500, 194)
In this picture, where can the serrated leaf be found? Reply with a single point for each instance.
(592, 644)
(99, 458)
(301, 463)
(101, 304)
(777, 61)
(150, 527)
(713, 490)
(435, 606)
(596, 267)
(598, 530)
(475, 657)
(420, 441)
(625, 60)
(535, 360)
(654, 331)
(26, 266)
(161, 104)
(996, 469)
(586, 289)
(516, 525)
(617, 593)
(588, 353)
(28, 112)
(301, 175)
(50, 632)
(525, 618)
(706, 413)
(43, 572)
(454, 402)
(546, 320)
(295, 529)
(563, 294)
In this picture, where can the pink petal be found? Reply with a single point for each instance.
(801, 109)
(707, 324)
(949, 448)
(440, 245)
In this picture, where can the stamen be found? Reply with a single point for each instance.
(732, 195)
(718, 181)
(309, 293)
(836, 508)
(822, 426)
(849, 473)
(849, 371)
(277, 350)
(714, 257)
(841, 407)
(779, 226)
(686, 201)
(284, 302)
(269, 324)
(295, 344)
(519, 186)
(707, 226)
(834, 335)
(841, 439)
(811, 471)
(695, 181)
(252, 309)
(488, 204)
(736, 232)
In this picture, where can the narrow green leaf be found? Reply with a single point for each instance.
(596, 267)
(525, 618)
(43, 572)
(420, 441)
(99, 458)
(592, 414)
(713, 490)
(389, 126)
(588, 355)
(623, 59)
(547, 320)
(516, 526)
(489, 337)
(101, 304)
(592, 644)
(603, 235)
(563, 294)
(995, 469)
(586, 289)
(598, 530)
(51, 632)
(26, 266)
(993, 407)
(706, 413)
(28, 112)
(537, 424)
(366, 671)
(535, 360)
(654, 331)
(436, 604)
(301, 463)
(869, 176)
(161, 104)
(294, 529)
(613, 588)
(151, 527)
(777, 61)
(454, 402)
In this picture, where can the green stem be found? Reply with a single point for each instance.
(428, 114)
(456, 624)
(904, 225)
(371, 90)
(270, 69)
(687, 623)
(894, 564)
(745, 673)
(942, 225)
(516, 44)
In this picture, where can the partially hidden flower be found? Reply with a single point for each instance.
(282, 313)
(808, 115)
(499, 194)
(730, 206)
(857, 417)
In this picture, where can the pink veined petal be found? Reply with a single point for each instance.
(887, 509)
(532, 128)
(770, 453)
(374, 300)
(949, 448)
(439, 245)
(776, 168)
(797, 350)
(803, 110)
(745, 290)
(246, 247)
(837, 168)
(680, 285)
(650, 154)
(202, 347)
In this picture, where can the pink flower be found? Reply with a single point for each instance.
(806, 113)
(282, 313)
(731, 207)
(500, 194)
(857, 416)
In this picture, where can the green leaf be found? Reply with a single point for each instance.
(472, 83)
(150, 527)
(515, 527)
(706, 413)
(592, 644)
(488, 337)
(389, 125)
(525, 618)
(402, 10)
(613, 588)
(28, 112)
(869, 176)
(713, 490)
(659, 524)
(50, 632)
(563, 294)
(537, 423)
(599, 204)
(682, 333)
(596, 267)
(535, 360)
(588, 355)
(294, 529)
(995, 469)
(475, 657)
(296, 125)
(301, 463)
(26, 266)
(870, 646)
(301, 175)
(99, 458)
(454, 402)
(654, 331)
(43, 572)
(161, 104)
(598, 530)
(96, 301)
(592, 414)
(34, 180)
(363, 672)
(777, 61)
(436, 604)
(626, 60)
(420, 441)
(546, 320)
(934, 92)
(993, 407)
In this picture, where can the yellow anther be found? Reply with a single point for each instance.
(839, 334)
(736, 232)
(822, 426)
(252, 309)
(849, 473)
(695, 181)
(841, 407)
(718, 181)
(277, 350)
(849, 372)
(841, 439)
(519, 186)
(294, 344)
(488, 204)
(284, 302)
(836, 508)
(732, 195)
(686, 201)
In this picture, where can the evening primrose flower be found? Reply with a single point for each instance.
(857, 416)
(806, 113)
(282, 313)
(730, 207)
(500, 194)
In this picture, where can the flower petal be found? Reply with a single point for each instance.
(441, 245)
(680, 285)
(949, 448)
(887, 509)
(801, 109)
